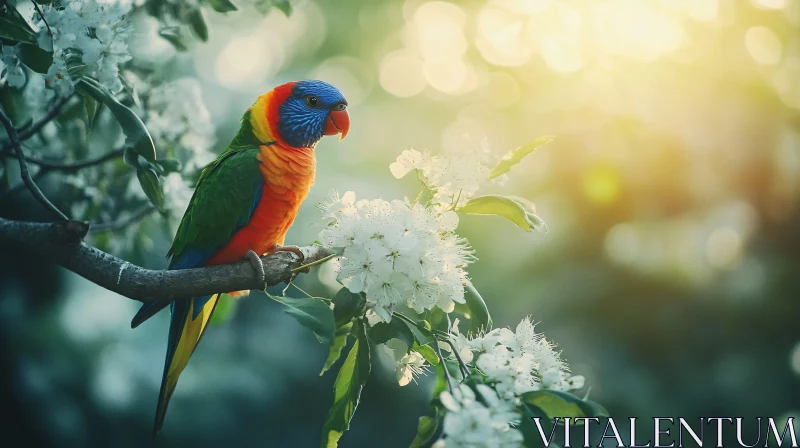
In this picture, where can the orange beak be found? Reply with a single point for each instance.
(338, 122)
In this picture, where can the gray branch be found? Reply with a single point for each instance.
(62, 243)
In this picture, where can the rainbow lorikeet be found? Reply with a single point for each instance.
(244, 203)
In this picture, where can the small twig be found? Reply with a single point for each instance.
(444, 366)
(292, 284)
(320, 261)
(70, 167)
(461, 365)
(456, 199)
(23, 167)
(120, 224)
(50, 32)
(53, 113)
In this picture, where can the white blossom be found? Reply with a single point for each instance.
(474, 423)
(522, 361)
(178, 119)
(397, 253)
(10, 63)
(86, 38)
(454, 176)
(408, 364)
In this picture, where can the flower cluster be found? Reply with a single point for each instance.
(178, 120)
(521, 361)
(453, 176)
(85, 37)
(397, 253)
(474, 423)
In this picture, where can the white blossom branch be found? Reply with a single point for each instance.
(62, 243)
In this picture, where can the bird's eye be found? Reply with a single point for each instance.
(312, 101)
(340, 106)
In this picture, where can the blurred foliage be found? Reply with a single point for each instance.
(668, 275)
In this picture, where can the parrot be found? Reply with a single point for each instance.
(243, 204)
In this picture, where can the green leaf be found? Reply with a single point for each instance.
(151, 185)
(137, 136)
(166, 166)
(35, 58)
(313, 314)
(561, 404)
(224, 309)
(347, 389)
(506, 207)
(438, 319)
(13, 27)
(173, 35)
(383, 331)
(339, 342)
(514, 156)
(132, 158)
(427, 352)
(222, 5)
(527, 426)
(284, 5)
(198, 24)
(426, 429)
(480, 319)
(346, 306)
(90, 106)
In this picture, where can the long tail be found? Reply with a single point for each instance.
(149, 310)
(189, 322)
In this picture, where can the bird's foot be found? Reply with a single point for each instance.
(257, 264)
(293, 249)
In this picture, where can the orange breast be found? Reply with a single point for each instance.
(288, 176)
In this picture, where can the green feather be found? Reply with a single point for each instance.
(223, 198)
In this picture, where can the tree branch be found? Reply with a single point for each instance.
(61, 243)
(23, 166)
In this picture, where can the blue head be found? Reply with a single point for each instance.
(308, 111)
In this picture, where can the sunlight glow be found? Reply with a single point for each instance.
(770, 4)
(723, 248)
(763, 45)
(501, 37)
(635, 28)
(237, 68)
(401, 74)
(602, 185)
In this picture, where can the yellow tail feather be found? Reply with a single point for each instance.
(193, 330)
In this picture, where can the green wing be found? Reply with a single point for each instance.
(226, 195)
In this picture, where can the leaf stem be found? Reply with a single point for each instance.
(291, 283)
(320, 261)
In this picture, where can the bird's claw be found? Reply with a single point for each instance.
(293, 249)
(257, 264)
